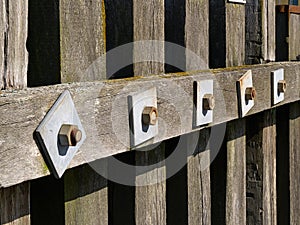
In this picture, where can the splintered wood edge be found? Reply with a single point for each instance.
(22, 111)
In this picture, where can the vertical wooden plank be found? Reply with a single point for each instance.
(82, 35)
(196, 30)
(282, 31)
(15, 205)
(294, 33)
(261, 169)
(13, 53)
(294, 133)
(198, 183)
(235, 34)
(236, 173)
(150, 203)
(86, 199)
(148, 24)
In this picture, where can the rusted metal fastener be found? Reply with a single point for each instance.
(281, 86)
(250, 93)
(208, 102)
(150, 115)
(69, 135)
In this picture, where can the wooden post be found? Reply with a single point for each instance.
(236, 173)
(294, 33)
(13, 53)
(15, 205)
(226, 34)
(261, 169)
(86, 200)
(294, 142)
(198, 183)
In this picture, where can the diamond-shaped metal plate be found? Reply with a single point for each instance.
(276, 76)
(62, 112)
(244, 82)
(140, 133)
(203, 87)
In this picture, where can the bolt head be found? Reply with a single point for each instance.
(282, 86)
(208, 102)
(150, 115)
(250, 93)
(69, 135)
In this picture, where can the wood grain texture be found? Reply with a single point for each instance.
(148, 24)
(98, 102)
(82, 35)
(236, 173)
(235, 34)
(150, 190)
(15, 205)
(294, 32)
(294, 156)
(196, 30)
(198, 183)
(13, 53)
(86, 199)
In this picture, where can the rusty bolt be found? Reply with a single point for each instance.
(69, 135)
(250, 93)
(208, 102)
(150, 115)
(281, 86)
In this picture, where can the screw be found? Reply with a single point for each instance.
(69, 135)
(208, 102)
(150, 115)
(250, 93)
(281, 86)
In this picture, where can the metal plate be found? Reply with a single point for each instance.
(140, 133)
(276, 76)
(237, 1)
(203, 116)
(62, 112)
(244, 82)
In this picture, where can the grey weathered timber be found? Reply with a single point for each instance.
(235, 34)
(13, 53)
(82, 39)
(148, 24)
(294, 33)
(196, 30)
(261, 169)
(294, 133)
(198, 183)
(102, 108)
(150, 199)
(86, 199)
(236, 173)
(15, 205)
(268, 30)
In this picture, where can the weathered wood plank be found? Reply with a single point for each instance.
(261, 169)
(150, 199)
(82, 32)
(236, 173)
(196, 31)
(148, 24)
(294, 142)
(294, 33)
(86, 195)
(13, 53)
(15, 205)
(235, 34)
(198, 183)
(98, 102)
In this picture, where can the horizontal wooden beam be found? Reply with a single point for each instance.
(102, 107)
(289, 9)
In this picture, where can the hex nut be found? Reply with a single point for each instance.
(69, 135)
(282, 86)
(250, 93)
(150, 115)
(208, 102)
